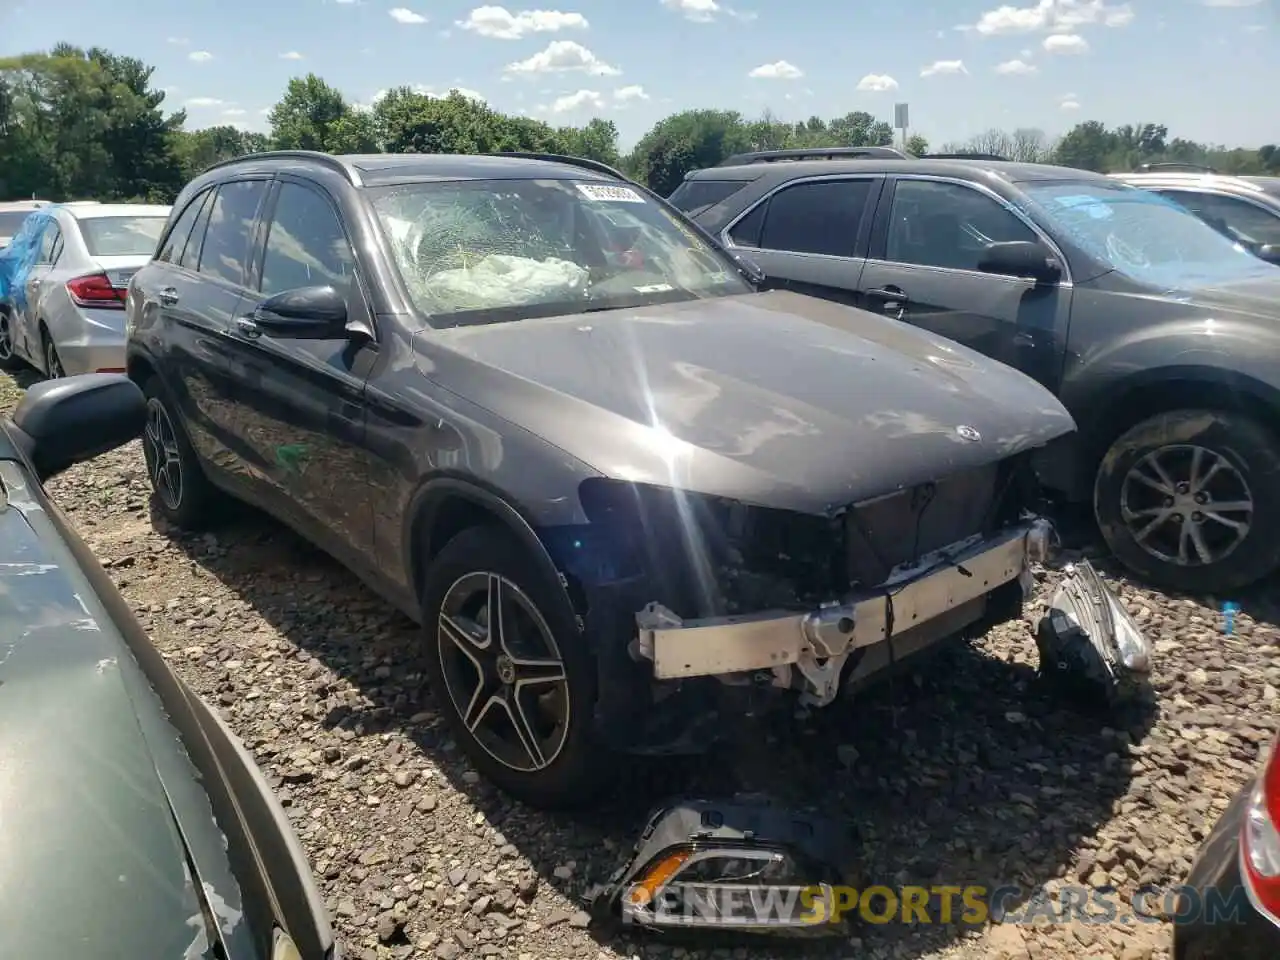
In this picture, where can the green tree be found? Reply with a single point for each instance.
(1088, 146)
(598, 140)
(917, 145)
(686, 141)
(309, 116)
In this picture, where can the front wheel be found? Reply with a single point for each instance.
(508, 668)
(9, 359)
(1190, 500)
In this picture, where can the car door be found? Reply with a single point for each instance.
(300, 401)
(1240, 219)
(810, 236)
(923, 269)
(27, 328)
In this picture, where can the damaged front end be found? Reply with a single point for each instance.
(743, 865)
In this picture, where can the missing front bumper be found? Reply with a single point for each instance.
(818, 642)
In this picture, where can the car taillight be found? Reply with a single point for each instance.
(1260, 839)
(95, 290)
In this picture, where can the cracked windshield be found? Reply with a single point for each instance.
(664, 480)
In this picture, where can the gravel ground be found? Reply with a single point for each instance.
(962, 773)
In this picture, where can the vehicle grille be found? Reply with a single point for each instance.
(899, 528)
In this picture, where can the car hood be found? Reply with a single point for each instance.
(772, 398)
(104, 819)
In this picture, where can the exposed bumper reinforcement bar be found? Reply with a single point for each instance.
(941, 582)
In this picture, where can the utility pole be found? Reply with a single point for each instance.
(901, 120)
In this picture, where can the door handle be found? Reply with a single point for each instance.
(889, 293)
(246, 327)
(167, 295)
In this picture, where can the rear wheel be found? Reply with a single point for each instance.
(8, 353)
(1190, 500)
(182, 493)
(52, 362)
(508, 668)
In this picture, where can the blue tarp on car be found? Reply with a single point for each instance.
(19, 256)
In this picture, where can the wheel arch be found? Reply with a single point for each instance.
(1149, 392)
(445, 506)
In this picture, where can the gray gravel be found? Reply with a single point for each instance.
(962, 773)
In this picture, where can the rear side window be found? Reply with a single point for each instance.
(1240, 220)
(820, 217)
(190, 257)
(177, 238)
(694, 196)
(230, 231)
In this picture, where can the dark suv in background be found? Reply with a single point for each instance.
(1159, 334)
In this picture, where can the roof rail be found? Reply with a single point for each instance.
(818, 153)
(328, 159)
(964, 156)
(1176, 165)
(584, 162)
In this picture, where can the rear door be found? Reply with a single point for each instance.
(811, 235)
(299, 402)
(27, 327)
(923, 268)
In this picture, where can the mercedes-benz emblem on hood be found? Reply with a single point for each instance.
(967, 432)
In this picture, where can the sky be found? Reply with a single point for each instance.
(1202, 67)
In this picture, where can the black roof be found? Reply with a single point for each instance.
(967, 168)
(375, 169)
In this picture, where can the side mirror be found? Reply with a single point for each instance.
(309, 313)
(1020, 258)
(72, 419)
(748, 266)
(1269, 252)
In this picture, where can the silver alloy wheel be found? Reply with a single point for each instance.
(164, 460)
(52, 365)
(1187, 505)
(6, 338)
(503, 671)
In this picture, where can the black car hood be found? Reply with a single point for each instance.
(773, 398)
(102, 819)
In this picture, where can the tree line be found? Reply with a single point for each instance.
(89, 124)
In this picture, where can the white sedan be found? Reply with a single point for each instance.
(64, 313)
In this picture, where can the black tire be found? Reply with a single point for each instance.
(197, 500)
(9, 359)
(53, 369)
(573, 776)
(1244, 446)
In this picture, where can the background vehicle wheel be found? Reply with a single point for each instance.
(509, 670)
(52, 362)
(1190, 500)
(8, 359)
(184, 496)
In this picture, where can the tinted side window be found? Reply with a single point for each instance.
(821, 217)
(171, 249)
(189, 256)
(747, 231)
(947, 224)
(694, 196)
(1238, 219)
(231, 220)
(306, 245)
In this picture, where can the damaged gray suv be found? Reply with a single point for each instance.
(544, 415)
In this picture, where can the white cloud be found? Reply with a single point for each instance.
(779, 70)
(943, 67)
(1016, 68)
(576, 101)
(266, 111)
(1231, 3)
(203, 102)
(178, 41)
(501, 24)
(200, 56)
(632, 92)
(234, 112)
(877, 83)
(1069, 103)
(562, 56)
(1066, 43)
(1256, 28)
(405, 15)
(699, 11)
(1053, 15)
(291, 55)
(426, 91)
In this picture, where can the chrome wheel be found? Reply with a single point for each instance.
(1187, 505)
(6, 338)
(52, 365)
(164, 461)
(503, 671)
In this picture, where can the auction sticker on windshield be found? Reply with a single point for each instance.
(1090, 205)
(608, 194)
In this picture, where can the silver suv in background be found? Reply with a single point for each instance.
(66, 286)
(1245, 209)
